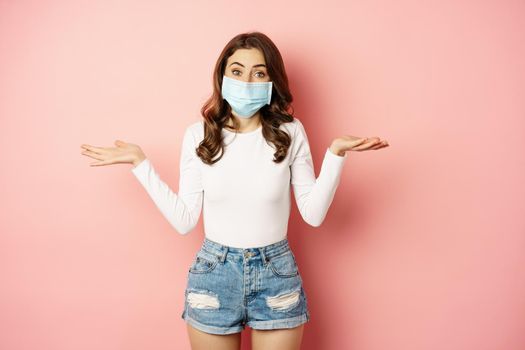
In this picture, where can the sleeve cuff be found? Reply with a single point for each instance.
(141, 168)
(332, 163)
(334, 157)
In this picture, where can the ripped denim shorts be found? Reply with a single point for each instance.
(229, 288)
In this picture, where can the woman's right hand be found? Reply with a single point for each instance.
(123, 153)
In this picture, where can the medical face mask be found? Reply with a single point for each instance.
(246, 98)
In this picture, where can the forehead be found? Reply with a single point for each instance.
(247, 57)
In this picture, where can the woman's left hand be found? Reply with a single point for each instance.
(345, 143)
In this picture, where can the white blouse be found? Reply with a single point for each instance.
(245, 196)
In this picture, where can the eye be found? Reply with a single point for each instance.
(261, 76)
(235, 70)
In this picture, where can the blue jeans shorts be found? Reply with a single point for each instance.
(229, 288)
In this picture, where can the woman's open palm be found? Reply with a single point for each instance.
(123, 153)
(353, 143)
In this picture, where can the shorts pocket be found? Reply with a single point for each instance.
(284, 265)
(204, 262)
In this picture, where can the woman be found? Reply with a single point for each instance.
(238, 163)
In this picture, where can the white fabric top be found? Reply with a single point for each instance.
(245, 196)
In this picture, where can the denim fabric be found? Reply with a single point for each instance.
(229, 288)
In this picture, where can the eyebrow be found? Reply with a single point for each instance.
(257, 65)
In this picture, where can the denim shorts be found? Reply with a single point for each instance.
(229, 288)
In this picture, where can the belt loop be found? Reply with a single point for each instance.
(223, 256)
(263, 256)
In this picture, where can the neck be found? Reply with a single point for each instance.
(245, 124)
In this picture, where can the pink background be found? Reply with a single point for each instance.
(423, 247)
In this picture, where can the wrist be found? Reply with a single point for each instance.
(337, 151)
(138, 160)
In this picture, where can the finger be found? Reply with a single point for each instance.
(94, 149)
(103, 162)
(93, 155)
(366, 145)
(380, 145)
(354, 143)
(368, 140)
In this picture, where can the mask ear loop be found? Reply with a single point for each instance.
(270, 87)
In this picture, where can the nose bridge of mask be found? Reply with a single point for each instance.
(250, 91)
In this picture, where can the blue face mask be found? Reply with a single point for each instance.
(246, 98)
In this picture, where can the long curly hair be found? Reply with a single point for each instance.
(216, 111)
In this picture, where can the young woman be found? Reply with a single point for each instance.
(236, 166)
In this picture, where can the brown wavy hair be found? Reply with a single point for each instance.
(216, 111)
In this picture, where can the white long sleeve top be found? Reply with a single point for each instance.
(245, 196)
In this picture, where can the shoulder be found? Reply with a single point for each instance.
(195, 127)
(297, 133)
(194, 132)
(292, 127)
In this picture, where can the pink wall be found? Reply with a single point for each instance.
(423, 247)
